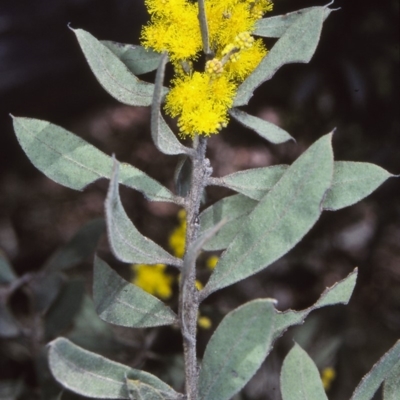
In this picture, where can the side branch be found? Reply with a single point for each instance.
(204, 30)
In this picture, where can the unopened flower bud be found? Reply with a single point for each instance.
(244, 40)
(214, 67)
(257, 14)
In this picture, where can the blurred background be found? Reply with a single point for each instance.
(351, 84)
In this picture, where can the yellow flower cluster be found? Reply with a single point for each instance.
(171, 22)
(153, 279)
(201, 99)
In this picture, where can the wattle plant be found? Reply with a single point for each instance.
(219, 59)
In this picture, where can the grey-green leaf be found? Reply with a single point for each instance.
(352, 181)
(253, 183)
(379, 372)
(265, 129)
(138, 59)
(112, 73)
(281, 219)
(81, 245)
(122, 303)
(70, 161)
(391, 386)
(234, 209)
(297, 45)
(143, 391)
(339, 293)
(127, 243)
(95, 376)
(275, 27)
(140, 378)
(236, 350)
(300, 379)
(92, 375)
(163, 137)
(7, 274)
(137, 179)
(87, 373)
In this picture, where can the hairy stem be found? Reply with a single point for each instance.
(189, 302)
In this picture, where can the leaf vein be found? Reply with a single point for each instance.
(106, 71)
(267, 232)
(63, 154)
(81, 370)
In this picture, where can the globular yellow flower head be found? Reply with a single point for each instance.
(153, 279)
(173, 28)
(201, 99)
(248, 61)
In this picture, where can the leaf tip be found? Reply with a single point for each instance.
(332, 9)
(54, 342)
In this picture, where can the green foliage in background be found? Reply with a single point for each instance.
(58, 304)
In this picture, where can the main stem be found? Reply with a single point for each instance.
(189, 299)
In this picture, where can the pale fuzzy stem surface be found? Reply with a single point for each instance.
(189, 299)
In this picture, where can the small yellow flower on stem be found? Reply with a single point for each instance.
(199, 285)
(212, 262)
(153, 279)
(328, 375)
(204, 322)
